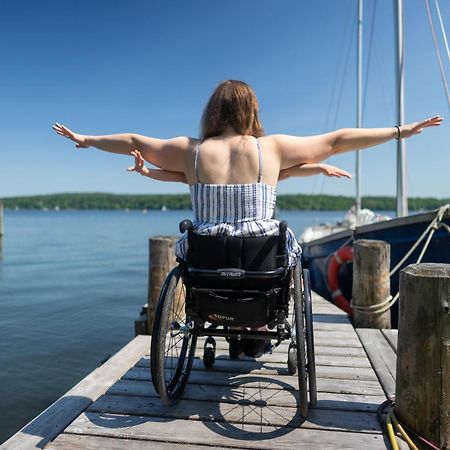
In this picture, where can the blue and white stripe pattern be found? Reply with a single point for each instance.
(243, 210)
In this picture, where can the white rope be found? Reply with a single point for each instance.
(373, 309)
(444, 35)
(435, 223)
(436, 47)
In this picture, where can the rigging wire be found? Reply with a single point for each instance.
(339, 98)
(438, 54)
(340, 62)
(369, 58)
(341, 88)
(444, 35)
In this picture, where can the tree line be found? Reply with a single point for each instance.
(183, 201)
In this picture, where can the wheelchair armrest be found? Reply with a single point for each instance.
(185, 225)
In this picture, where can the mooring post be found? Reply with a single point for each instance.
(422, 394)
(371, 284)
(161, 261)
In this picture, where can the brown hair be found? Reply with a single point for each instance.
(233, 103)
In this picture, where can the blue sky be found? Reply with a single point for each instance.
(103, 67)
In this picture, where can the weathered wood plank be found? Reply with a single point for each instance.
(276, 360)
(331, 319)
(382, 357)
(256, 413)
(57, 416)
(281, 350)
(321, 309)
(254, 368)
(364, 387)
(276, 397)
(321, 339)
(210, 433)
(336, 341)
(391, 336)
(68, 441)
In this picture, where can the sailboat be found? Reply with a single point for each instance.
(417, 238)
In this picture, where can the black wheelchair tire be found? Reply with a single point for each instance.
(170, 386)
(310, 339)
(300, 342)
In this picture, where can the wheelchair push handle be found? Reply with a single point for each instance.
(282, 240)
(283, 227)
(185, 225)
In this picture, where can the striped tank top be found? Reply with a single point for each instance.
(242, 210)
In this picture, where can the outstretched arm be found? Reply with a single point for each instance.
(156, 174)
(306, 170)
(296, 150)
(168, 154)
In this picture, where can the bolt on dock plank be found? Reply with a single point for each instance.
(238, 404)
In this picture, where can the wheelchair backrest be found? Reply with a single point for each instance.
(215, 265)
(260, 253)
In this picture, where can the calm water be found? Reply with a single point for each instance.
(71, 285)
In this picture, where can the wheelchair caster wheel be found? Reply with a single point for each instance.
(209, 352)
(292, 360)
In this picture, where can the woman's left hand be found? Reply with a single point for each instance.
(417, 127)
(139, 166)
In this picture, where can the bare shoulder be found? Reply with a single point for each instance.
(179, 142)
(293, 150)
(269, 142)
(184, 142)
(278, 140)
(169, 154)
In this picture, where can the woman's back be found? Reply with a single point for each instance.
(232, 159)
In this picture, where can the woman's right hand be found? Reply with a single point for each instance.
(139, 166)
(79, 139)
(332, 171)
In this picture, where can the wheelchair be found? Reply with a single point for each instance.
(231, 287)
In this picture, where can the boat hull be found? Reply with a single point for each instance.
(400, 233)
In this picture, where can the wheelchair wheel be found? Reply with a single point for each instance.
(300, 341)
(173, 344)
(309, 338)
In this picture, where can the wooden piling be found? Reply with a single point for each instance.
(162, 260)
(371, 284)
(423, 358)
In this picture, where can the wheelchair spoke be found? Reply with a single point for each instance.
(180, 320)
(174, 344)
(179, 304)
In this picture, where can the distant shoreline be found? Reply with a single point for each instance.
(297, 202)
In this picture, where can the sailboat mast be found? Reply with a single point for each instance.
(359, 105)
(402, 197)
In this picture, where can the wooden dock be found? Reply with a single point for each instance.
(238, 404)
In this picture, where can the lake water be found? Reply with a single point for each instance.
(71, 285)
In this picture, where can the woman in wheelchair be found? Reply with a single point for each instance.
(239, 267)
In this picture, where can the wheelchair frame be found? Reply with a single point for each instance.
(177, 327)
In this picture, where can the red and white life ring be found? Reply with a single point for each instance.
(344, 254)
